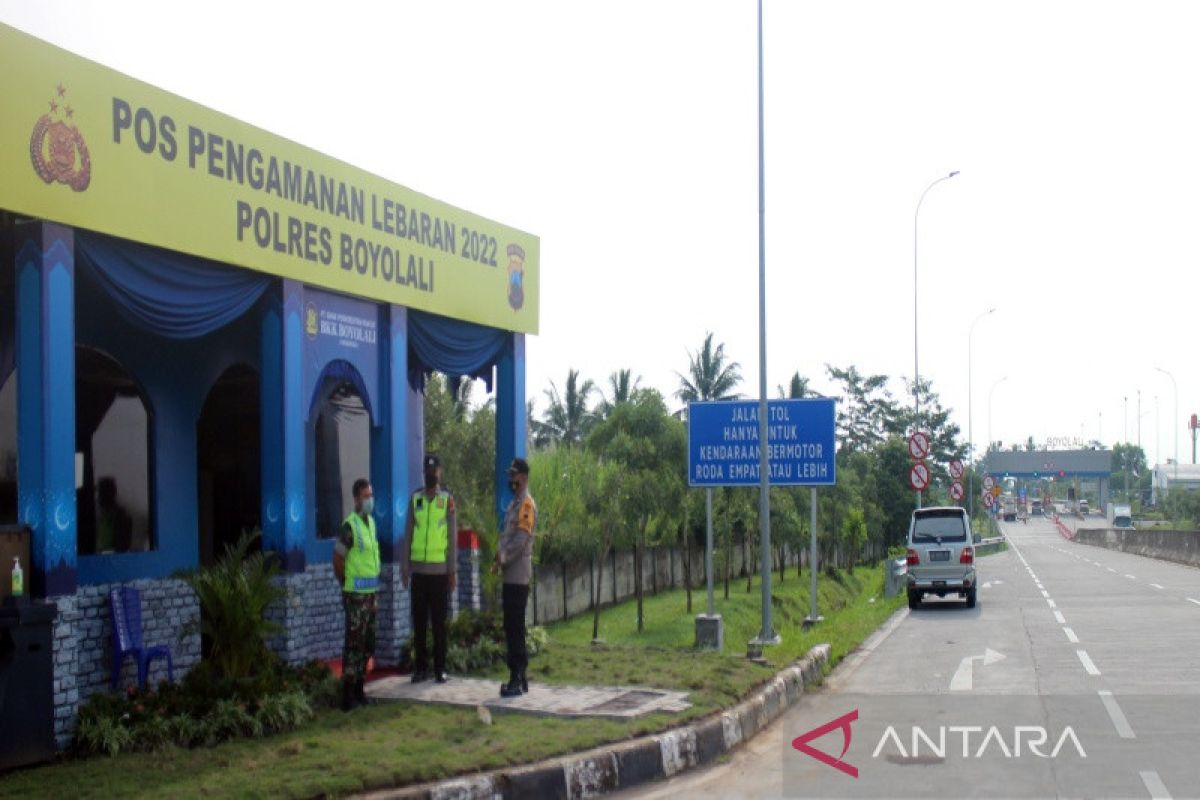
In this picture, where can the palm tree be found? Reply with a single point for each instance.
(797, 388)
(567, 419)
(709, 377)
(621, 387)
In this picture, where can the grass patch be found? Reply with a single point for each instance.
(397, 744)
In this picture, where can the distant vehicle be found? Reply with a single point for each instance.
(1120, 516)
(1083, 508)
(1008, 508)
(1037, 508)
(941, 555)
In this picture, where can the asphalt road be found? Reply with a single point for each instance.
(1078, 675)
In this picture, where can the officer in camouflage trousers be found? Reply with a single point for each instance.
(356, 565)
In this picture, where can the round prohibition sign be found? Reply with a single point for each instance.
(956, 469)
(988, 483)
(989, 500)
(918, 446)
(956, 491)
(918, 477)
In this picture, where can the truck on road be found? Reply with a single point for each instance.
(1120, 516)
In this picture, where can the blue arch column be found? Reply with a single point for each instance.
(390, 478)
(45, 358)
(511, 434)
(282, 414)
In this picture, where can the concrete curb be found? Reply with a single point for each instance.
(622, 765)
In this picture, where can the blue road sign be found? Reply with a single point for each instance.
(723, 443)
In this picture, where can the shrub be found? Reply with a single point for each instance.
(204, 709)
(475, 641)
(234, 594)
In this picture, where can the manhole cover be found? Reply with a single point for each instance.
(624, 702)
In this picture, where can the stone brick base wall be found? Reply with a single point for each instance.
(83, 643)
(311, 614)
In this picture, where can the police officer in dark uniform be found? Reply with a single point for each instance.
(429, 564)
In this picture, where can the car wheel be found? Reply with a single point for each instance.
(914, 600)
(971, 597)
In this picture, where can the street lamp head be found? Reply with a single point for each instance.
(952, 174)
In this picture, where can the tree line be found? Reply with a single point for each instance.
(609, 468)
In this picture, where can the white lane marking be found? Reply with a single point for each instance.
(1071, 637)
(1087, 662)
(1116, 715)
(1154, 785)
(1110, 569)
(1131, 577)
(964, 676)
(1045, 593)
(1156, 586)
(1194, 600)
(1059, 617)
(1052, 603)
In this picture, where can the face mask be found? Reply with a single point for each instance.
(368, 505)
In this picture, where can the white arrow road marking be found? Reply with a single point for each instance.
(1154, 785)
(1116, 715)
(964, 676)
(1087, 662)
(1071, 637)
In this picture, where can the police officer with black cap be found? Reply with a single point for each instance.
(429, 562)
(514, 559)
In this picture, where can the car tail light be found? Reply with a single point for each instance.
(967, 556)
(913, 558)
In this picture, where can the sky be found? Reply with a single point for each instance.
(625, 135)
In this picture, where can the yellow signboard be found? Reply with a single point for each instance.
(87, 146)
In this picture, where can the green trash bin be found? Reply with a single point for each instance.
(26, 683)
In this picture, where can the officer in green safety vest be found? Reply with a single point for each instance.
(356, 565)
(429, 560)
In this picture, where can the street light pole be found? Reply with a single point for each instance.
(970, 418)
(916, 362)
(990, 393)
(1176, 387)
(767, 634)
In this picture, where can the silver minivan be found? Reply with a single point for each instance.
(941, 555)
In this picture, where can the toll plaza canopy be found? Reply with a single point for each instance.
(1049, 464)
(244, 310)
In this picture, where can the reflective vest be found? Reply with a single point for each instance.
(362, 560)
(431, 533)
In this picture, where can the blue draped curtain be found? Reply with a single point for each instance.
(170, 294)
(459, 349)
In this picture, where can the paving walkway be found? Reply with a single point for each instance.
(613, 702)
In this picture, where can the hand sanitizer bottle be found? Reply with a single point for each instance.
(18, 578)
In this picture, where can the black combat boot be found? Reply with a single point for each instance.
(360, 693)
(348, 700)
(524, 682)
(513, 687)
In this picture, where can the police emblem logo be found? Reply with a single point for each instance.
(311, 321)
(57, 149)
(516, 276)
(441, 503)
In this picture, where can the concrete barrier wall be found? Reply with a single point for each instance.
(557, 599)
(1182, 547)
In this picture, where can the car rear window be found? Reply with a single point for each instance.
(946, 525)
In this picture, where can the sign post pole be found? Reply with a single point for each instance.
(708, 549)
(813, 618)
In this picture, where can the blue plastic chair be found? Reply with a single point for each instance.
(126, 604)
